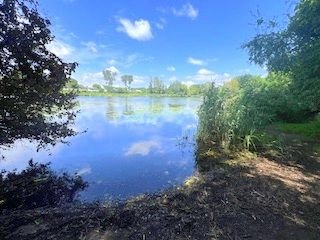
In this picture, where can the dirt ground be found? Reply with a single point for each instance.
(267, 196)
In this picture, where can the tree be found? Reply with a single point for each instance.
(127, 80)
(156, 85)
(97, 87)
(177, 88)
(72, 83)
(150, 87)
(110, 77)
(32, 103)
(294, 50)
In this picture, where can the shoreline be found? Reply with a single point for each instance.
(97, 94)
(264, 196)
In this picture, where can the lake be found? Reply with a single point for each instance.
(131, 145)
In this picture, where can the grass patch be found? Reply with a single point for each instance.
(309, 129)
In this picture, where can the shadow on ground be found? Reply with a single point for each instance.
(247, 197)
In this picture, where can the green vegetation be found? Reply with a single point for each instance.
(33, 106)
(235, 115)
(309, 129)
(294, 50)
(31, 79)
(156, 88)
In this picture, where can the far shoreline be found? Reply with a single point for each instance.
(107, 94)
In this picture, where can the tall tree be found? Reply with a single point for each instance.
(127, 80)
(32, 103)
(110, 77)
(157, 85)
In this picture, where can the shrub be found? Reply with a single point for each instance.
(233, 115)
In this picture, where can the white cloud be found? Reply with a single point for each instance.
(204, 71)
(91, 78)
(161, 23)
(143, 148)
(60, 48)
(112, 62)
(186, 10)
(171, 68)
(139, 30)
(84, 171)
(83, 53)
(205, 75)
(91, 46)
(113, 69)
(195, 61)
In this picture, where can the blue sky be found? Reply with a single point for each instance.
(189, 41)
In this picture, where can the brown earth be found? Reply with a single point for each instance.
(270, 196)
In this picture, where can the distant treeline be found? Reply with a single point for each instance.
(156, 87)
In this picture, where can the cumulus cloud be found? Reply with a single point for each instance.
(195, 61)
(113, 69)
(187, 10)
(60, 48)
(205, 75)
(90, 78)
(139, 29)
(204, 71)
(171, 68)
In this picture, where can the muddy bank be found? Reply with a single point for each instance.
(271, 196)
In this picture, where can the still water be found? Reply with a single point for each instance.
(131, 145)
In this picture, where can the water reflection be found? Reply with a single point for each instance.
(132, 145)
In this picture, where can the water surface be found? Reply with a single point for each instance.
(131, 146)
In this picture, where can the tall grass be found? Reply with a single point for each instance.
(233, 116)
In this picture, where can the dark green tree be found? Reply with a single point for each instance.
(32, 103)
(294, 50)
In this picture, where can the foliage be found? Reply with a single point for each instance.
(31, 78)
(127, 80)
(294, 50)
(309, 129)
(232, 116)
(109, 76)
(156, 85)
(72, 84)
(97, 87)
(177, 88)
(38, 186)
(198, 89)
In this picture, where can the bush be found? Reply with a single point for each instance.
(38, 186)
(233, 115)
